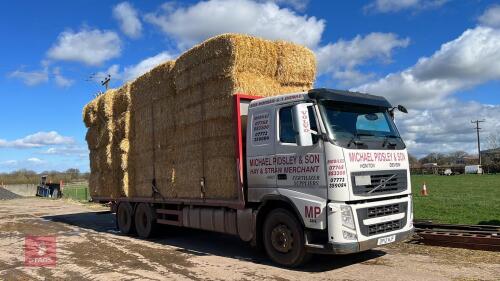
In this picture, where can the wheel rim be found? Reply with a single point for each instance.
(282, 238)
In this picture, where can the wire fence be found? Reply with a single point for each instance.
(78, 191)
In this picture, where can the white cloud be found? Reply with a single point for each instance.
(192, 24)
(31, 78)
(340, 59)
(131, 72)
(61, 81)
(491, 17)
(299, 5)
(447, 128)
(38, 139)
(128, 19)
(390, 6)
(9, 163)
(92, 47)
(68, 150)
(460, 64)
(35, 160)
(134, 71)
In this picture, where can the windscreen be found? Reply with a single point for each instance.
(360, 126)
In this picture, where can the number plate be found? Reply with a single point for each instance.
(386, 240)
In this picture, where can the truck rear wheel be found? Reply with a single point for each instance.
(125, 218)
(145, 220)
(284, 239)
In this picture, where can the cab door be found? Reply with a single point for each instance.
(299, 168)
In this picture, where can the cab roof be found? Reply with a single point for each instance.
(348, 97)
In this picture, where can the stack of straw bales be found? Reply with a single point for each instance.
(103, 116)
(175, 125)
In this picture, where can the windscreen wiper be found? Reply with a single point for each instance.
(387, 142)
(356, 136)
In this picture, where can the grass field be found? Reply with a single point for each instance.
(461, 199)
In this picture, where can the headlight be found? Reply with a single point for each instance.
(347, 217)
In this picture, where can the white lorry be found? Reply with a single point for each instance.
(322, 171)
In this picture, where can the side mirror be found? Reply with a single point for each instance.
(302, 124)
(400, 108)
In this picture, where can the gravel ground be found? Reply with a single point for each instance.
(7, 195)
(88, 247)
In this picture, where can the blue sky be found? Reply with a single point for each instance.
(437, 57)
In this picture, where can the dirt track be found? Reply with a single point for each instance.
(88, 247)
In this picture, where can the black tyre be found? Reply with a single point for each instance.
(145, 220)
(284, 239)
(125, 218)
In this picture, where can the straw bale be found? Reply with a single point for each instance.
(96, 137)
(139, 95)
(224, 56)
(125, 146)
(90, 113)
(220, 177)
(162, 81)
(105, 104)
(165, 178)
(121, 100)
(94, 183)
(142, 171)
(296, 64)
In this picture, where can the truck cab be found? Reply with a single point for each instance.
(334, 163)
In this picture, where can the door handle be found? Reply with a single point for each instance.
(281, 176)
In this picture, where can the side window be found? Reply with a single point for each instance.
(286, 132)
(312, 119)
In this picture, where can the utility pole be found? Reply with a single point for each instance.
(105, 82)
(478, 142)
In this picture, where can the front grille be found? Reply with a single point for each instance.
(382, 211)
(384, 227)
(382, 182)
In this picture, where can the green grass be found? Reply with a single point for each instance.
(461, 199)
(77, 192)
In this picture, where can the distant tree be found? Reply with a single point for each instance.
(434, 157)
(72, 173)
(24, 176)
(493, 140)
(413, 160)
(456, 156)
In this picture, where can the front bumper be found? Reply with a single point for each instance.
(353, 247)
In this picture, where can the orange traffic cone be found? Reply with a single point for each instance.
(423, 191)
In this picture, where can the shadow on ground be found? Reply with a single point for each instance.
(201, 243)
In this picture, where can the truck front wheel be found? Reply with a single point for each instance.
(125, 218)
(284, 239)
(145, 220)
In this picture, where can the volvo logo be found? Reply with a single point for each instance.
(382, 183)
